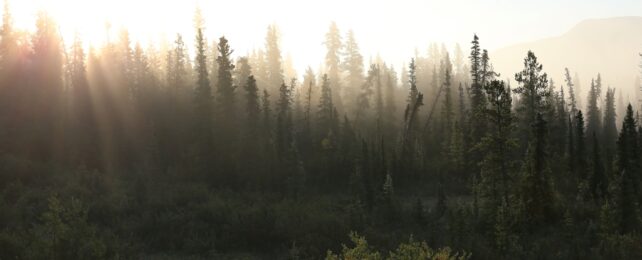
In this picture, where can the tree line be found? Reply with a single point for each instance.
(124, 151)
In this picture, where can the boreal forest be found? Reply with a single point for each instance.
(120, 150)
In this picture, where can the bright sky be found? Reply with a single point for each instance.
(392, 29)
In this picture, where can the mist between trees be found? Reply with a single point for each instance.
(120, 151)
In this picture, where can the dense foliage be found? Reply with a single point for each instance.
(122, 152)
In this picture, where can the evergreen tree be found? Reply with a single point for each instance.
(274, 75)
(456, 151)
(405, 80)
(475, 66)
(353, 64)
(214, 63)
(178, 63)
(141, 75)
(412, 80)
(533, 91)
(242, 72)
(478, 103)
(487, 73)
(227, 116)
(497, 147)
(578, 90)
(447, 109)
(309, 84)
(332, 61)
(628, 179)
(580, 166)
(252, 108)
(537, 194)
(594, 123)
(609, 133)
(225, 85)
(459, 66)
(621, 107)
(571, 91)
(203, 105)
(124, 61)
(326, 108)
(363, 100)
(283, 133)
(81, 107)
(560, 116)
(628, 150)
(409, 133)
(390, 107)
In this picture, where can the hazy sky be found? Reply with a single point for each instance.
(393, 29)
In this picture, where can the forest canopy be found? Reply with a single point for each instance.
(119, 150)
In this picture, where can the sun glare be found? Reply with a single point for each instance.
(97, 21)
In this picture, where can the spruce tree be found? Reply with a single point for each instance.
(308, 86)
(609, 133)
(580, 166)
(487, 73)
(497, 147)
(378, 101)
(390, 107)
(475, 63)
(628, 179)
(225, 84)
(273, 60)
(363, 111)
(594, 120)
(533, 91)
(561, 116)
(213, 63)
(177, 68)
(326, 108)
(83, 126)
(412, 79)
(283, 133)
(447, 106)
(409, 134)
(203, 106)
(537, 194)
(226, 113)
(252, 144)
(578, 90)
(333, 60)
(252, 108)
(353, 64)
(478, 104)
(242, 71)
(571, 91)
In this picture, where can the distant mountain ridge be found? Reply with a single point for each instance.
(609, 46)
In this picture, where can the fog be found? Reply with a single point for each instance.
(394, 30)
(320, 130)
